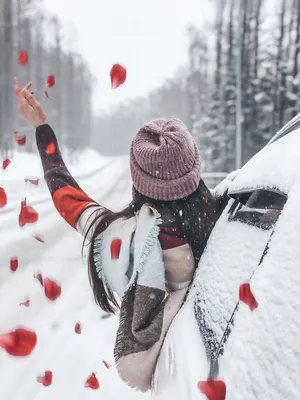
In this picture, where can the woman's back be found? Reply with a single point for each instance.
(146, 253)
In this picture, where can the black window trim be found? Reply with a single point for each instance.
(235, 212)
(234, 194)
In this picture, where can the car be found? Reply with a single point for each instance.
(240, 324)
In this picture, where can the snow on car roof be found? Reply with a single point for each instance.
(276, 166)
(291, 126)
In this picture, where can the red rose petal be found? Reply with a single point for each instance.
(106, 364)
(46, 379)
(115, 247)
(117, 75)
(39, 237)
(23, 57)
(52, 289)
(50, 149)
(5, 163)
(14, 263)
(38, 276)
(19, 343)
(3, 198)
(92, 382)
(27, 215)
(247, 297)
(20, 140)
(78, 328)
(34, 181)
(25, 303)
(50, 81)
(213, 390)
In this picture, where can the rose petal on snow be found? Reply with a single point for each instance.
(77, 328)
(38, 237)
(5, 163)
(45, 379)
(108, 366)
(213, 390)
(13, 264)
(247, 297)
(25, 303)
(27, 215)
(38, 277)
(52, 289)
(19, 343)
(92, 382)
(34, 181)
(20, 140)
(3, 198)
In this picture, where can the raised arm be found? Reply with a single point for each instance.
(69, 199)
(73, 204)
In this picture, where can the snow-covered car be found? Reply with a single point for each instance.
(241, 321)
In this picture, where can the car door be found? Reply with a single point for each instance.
(238, 244)
(255, 242)
(264, 197)
(261, 356)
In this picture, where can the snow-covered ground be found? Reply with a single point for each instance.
(71, 357)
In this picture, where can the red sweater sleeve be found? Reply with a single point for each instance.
(69, 199)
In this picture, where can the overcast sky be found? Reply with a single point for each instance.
(148, 37)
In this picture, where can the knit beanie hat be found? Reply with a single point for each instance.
(164, 160)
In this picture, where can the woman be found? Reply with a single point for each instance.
(146, 254)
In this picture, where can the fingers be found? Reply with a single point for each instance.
(29, 96)
(31, 100)
(23, 101)
(16, 87)
(26, 87)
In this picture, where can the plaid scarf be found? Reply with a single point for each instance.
(137, 275)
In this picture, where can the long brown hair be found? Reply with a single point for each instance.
(195, 214)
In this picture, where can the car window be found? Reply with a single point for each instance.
(260, 208)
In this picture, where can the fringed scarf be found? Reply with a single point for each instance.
(137, 275)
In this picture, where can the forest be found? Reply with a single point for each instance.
(241, 74)
(25, 27)
(239, 85)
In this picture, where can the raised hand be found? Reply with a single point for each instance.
(30, 109)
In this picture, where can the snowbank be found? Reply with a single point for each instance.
(71, 357)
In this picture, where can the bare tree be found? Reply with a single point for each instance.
(24, 26)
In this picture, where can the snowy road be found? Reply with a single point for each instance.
(71, 357)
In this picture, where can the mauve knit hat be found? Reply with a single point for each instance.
(164, 160)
